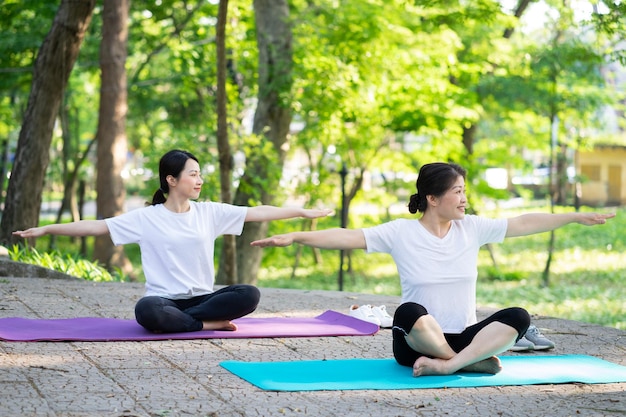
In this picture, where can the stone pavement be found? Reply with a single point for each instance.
(183, 377)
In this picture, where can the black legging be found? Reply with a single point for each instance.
(160, 314)
(407, 314)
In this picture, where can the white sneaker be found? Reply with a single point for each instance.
(539, 340)
(385, 319)
(364, 313)
(522, 345)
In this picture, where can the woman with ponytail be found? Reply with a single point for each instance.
(435, 329)
(176, 236)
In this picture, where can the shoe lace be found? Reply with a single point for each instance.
(369, 311)
(534, 331)
(382, 310)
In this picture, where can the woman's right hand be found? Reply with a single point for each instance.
(32, 232)
(278, 240)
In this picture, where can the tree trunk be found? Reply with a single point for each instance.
(271, 122)
(554, 128)
(70, 151)
(545, 276)
(227, 273)
(68, 203)
(519, 11)
(469, 136)
(4, 164)
(111, 135)
(52, 69)
(562, 180)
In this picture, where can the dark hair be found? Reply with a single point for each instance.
(172, 163)
(434, 179)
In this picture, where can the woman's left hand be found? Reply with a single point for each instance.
(590, 219)
(315, 213)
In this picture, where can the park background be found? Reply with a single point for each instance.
(321, 104)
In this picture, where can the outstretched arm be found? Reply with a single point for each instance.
(325, 239)
(266, 213)
(79, 228)
(528, 224)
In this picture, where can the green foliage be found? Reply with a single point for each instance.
(66, 263)
(387, 85)
(24, 25)
(383, 70)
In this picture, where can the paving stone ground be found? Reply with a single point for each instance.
(183, 377)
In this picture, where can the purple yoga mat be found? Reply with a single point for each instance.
(100, 329)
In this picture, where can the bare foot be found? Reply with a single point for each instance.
(430, 366)
(490, 365)
(435, 366)
(219, 325)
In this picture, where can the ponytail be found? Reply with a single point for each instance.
(158, 197)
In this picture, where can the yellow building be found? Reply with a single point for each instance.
(604, 175)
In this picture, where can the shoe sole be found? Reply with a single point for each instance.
(543, 347)
(521, 349)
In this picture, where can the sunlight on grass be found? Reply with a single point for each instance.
(576, 259)
(569, 260)
(586, 301)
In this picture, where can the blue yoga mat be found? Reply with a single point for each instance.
(386, 374)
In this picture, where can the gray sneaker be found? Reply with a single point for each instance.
(522, 345)
(540, 341)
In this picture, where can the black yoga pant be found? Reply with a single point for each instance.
(160, 314)
(407, 314)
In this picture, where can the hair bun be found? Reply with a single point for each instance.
(414, 203)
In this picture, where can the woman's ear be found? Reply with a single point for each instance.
(171, 181)
(432, 200)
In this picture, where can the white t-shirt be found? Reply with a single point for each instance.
(177, 249)
(439, 274)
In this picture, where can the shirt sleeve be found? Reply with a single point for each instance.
(125, 228)
(489, 230)
(381, 238)
(227, 218)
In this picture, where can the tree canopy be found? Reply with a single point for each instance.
(378, 86)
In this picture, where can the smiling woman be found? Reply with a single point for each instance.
(176, 236)
(435, 328)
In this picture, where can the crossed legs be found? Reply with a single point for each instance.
(419, 341)
(207, 312)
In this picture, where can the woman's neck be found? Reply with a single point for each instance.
(435, 225)
(177, 206)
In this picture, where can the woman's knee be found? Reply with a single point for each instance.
(252, 294)
(516, 317)
(407, 314)
(249, 297)
(149, 303)
(404, 318)
(147, 310)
